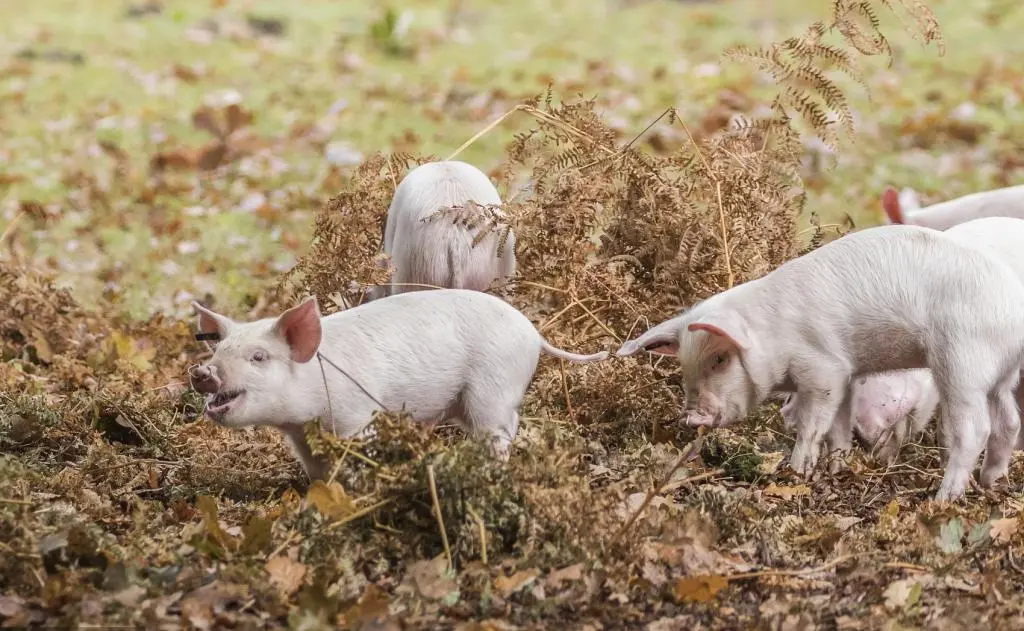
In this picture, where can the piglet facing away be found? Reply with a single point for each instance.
(904, 207)
(903, 400)
(449, 354)
(436, 252)
(885, 298)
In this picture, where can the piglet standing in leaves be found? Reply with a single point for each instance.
(885, 298)
(906, 400)
(450, 354)
(904, 207)
(428, 249)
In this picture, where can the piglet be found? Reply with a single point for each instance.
(903, 400)
(999, 237)
(451, 354)
(438, 252)
(884, 298)
(904, 207)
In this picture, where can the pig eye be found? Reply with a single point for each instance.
(719, 361)
(258, 356)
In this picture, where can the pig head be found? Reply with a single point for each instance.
(252, 378)
(719, 360)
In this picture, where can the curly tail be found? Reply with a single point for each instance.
(559, 353)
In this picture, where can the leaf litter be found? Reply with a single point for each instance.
(117, 505)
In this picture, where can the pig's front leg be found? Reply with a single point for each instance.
(814, 413)
(315, 468)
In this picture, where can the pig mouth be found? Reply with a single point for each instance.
(698, 418)
(219, 404)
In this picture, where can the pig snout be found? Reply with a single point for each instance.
(204, 379)
(707, 410)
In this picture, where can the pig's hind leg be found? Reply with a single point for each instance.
(493, 414)
(1005, 426)
(839, 438)
(965, 424)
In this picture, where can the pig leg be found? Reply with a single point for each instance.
(315, 468)
(1018, 395)
(907, 428)
(890, 441)
(491, 416)
(814, 412)
(840, 435)
(1005, 427)
(965, 427)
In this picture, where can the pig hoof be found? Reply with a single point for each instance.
(991, 479)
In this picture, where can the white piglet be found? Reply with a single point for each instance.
(437, 252)
(903, 400)
(904, 207)
(885, 298)
(448, 354)
(873, 396)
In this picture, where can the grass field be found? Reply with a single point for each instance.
(104, 185)
(143, 77)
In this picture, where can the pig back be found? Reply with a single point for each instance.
(999, 237)
(418, 350)
(882, 297)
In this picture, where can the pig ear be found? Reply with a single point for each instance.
(212, 322)
(300, 327)
(891, 205)
(727, 328)
(663, 339)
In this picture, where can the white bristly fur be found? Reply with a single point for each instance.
(446, 354)
(438, 253)
(885, 298)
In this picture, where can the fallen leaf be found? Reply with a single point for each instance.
(770, 462)
(127, 349)
(207, 506)
(787, 492)
(1003, 529)
(11, 606)
(845, 523)
(494, 624)
(432, 578)
(330, 499)
(184, 73)
(950, 535)
(256, 534)
(508, 585)
(979, 533)
(902, 594)
(130, 596)
(286, 575)
(370, 611)
(202, 607)
(205, 120)
(699, 588)
(43, 350)
(570, 573)
(211, 156)
(236, 117)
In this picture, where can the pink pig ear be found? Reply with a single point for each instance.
(891, 205)
(728, 329)
(212, 322)
(300, 327)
